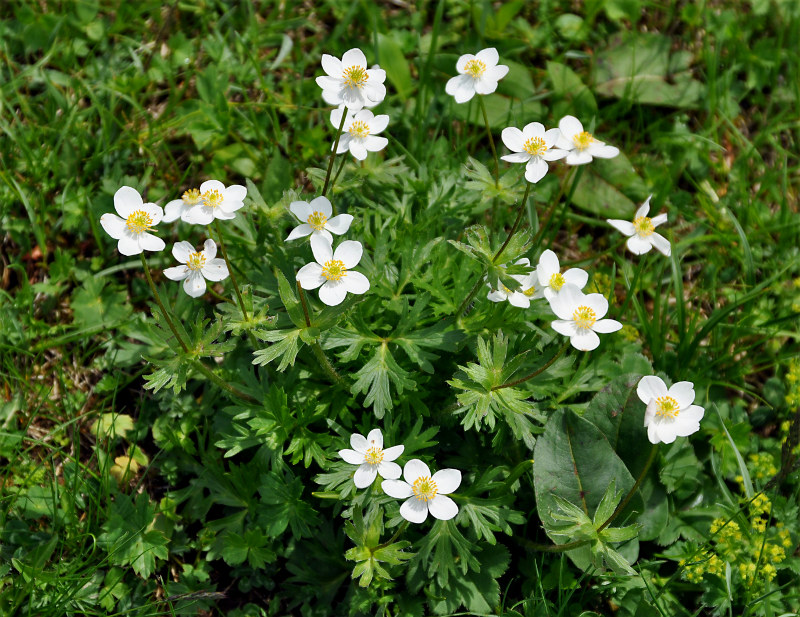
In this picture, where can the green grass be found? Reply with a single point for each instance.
(98, 95)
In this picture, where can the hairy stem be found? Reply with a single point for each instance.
(522, 209)
(323, 360)
(230, 270)
(491, 140)
(161, 304)
(333, 151)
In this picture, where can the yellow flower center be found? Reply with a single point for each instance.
(374, 456)
(317, 220)
(667, 407)
(191, 197)
(535, 146)
(424, 488)
(139, 221)
(475, 68)
(583, 140)
(584, 317)
(530, 291)
(196, 261)
(212, 198)
(643, 226)
(355, 76)
(359, 129)
(557, 281)
(334, 269)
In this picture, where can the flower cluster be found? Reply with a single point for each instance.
(424, 493)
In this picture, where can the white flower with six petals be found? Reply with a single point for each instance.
(197, 267)
(670, 413)
(218, 202)
(368, 453)
(581, 146)
(477, 74)
(136, 219)
(423, 492)
(580, 317)
(349, 81)
(360, 132)
(534, 146)
(316, 219)
(332, 271)
(550, 278)
(642, 231)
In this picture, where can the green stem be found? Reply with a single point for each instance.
(230, 270)
(634, 488)
(336, 177)
(333, 151)
(575, 176)
(568, 200)
(323, 360)
(161, 304)
(470, 295)
(224, 384)
(522, 209)
(553, 548)
(632, 289)
(397, 533)
(220, 297)
(491, 140)
(538, 371)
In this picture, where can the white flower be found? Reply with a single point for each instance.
(425, 493)
(478, 74)
(642, 231)
(316, 219)
(176, 208)
(580, 317)
(529, 288)
(218, 202)
(534, 146)
(359, 133)
(137, 219)
(197, 267)
(550, 278)
(333, 270)
(580, 145)
(371, 458)
(670, 413)
(349, 81)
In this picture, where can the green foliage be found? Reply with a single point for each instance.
(369, 552)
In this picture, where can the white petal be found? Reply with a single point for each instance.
(377, 75)
(555, 154)
(129, 244)
(355, 282)
(149, 242)
(359, 443)
(489, 56)
(375, 439)
(194, 285)
(661, 244)
(331, 65)
(652, 433)
(650, 388)
(389, 470)
(694, 413)
(365, 475)
(235, 193)
(173, 211)
(332, 293)
(519, 300)
(352, 457)
(578, 158)
(301, 231)
(415, 469)
(378, 124)
(310, 276)
(485, 85)
(603, 152)
(447, 480)
(569, 127)
(442, 507)
(322, 249)
(113, 225)
(181, 251)
(126, 200)
(536, 170)
(496, 73)
(548, 266)
(321, 204)
(550, 136)
(336, 117)
(215, 270)
(643, 209)
(374, 90)
(597, 302)
(414, 510)
(517, 157)
(375, 143)
(301, 210)
(349, 252)
(324, 233)
(683, 393)
(331, 88)
(585, 340)
(461, 64)
(358, 149)
(638, 245)
(391, 454)
(659, 220)
(354, 57)
(209, 249)
(566, 327)
(513, 139)
(534, 129)
(497, 295)
(683, 428)
(212, 185)
(339, 224)
(606, 326)
(199, 215)
(397, 489)
(177, 273)
(559, 305)
(625, 227)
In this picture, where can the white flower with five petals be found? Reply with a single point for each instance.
(477, 74)
(580, 317)
(332, 272)
(372, 459)
(360, 132)
(135, 222)
(316, 219)
(550, 278)
(533, 146)
(176, 208)
(581, 146)
(424, 493)
(197, 267)
(529, 288)
(218, 202)
(349, 81)
(642, 231)
(670, 413)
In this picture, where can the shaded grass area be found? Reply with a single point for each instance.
(701, 98)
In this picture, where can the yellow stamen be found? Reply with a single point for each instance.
(212, 198)
(139, 221)
(196, 261)
(359, 129)
(667, 407)
(583, 140)
(334, 269)
(584, 317)
(424, 488)
(192, 197)
(535, 146)
(374, 456)
(557, 281)
(317, 220)
(644, 226)
(475, 68)
(530, 291)
(355, 76)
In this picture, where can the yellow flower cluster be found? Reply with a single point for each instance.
(629, 333)
(601, 283)
(753, 554)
